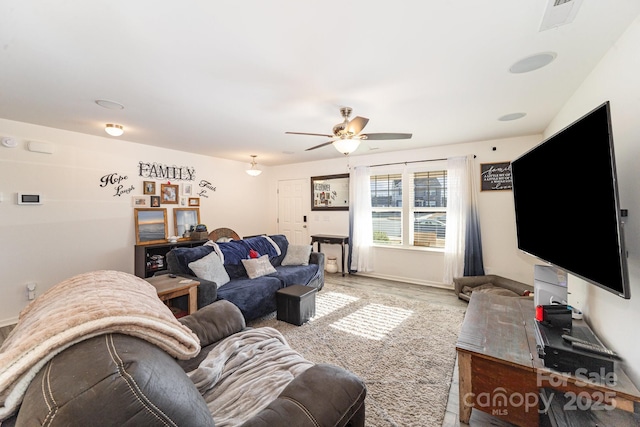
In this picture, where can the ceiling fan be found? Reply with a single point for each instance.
(346, 136)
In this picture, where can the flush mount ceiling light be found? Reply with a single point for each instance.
(533, 62)
(113, 129)
(512, 116)
(253, 170)
(347, 145)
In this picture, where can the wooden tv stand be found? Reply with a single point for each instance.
(501, 374)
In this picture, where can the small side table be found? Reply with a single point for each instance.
(296, 304)
(331, 240)
(173, 287)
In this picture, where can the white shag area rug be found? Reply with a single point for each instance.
(403, 349)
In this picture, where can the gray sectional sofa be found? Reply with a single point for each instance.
(254, 297)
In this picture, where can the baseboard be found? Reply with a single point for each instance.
(407, 280)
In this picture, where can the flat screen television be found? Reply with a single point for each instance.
(567, 206)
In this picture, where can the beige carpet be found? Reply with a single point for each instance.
(404, 350)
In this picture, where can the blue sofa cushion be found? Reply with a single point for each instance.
(296, 274)
(186, 255)
(254, 297)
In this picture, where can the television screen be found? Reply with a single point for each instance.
(566, 203)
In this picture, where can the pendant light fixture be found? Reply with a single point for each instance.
(253, 170)
(113, 129)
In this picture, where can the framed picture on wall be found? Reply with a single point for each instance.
(140, 201)
(187, 189)
(194, 201)
(155, 201)
(169, 194)
(151, 225)
(149, 187)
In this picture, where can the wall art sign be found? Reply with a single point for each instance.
(116, 180)
(203, 186)
(330, 192)
(160, 171)
(495, 176)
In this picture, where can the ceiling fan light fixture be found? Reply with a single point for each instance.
(346, 146)
(253, 170)
(113, 129)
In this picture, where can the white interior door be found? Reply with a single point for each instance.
(291, 213)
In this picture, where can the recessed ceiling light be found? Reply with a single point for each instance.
(511, 116)
(533, 62)
(111, 105)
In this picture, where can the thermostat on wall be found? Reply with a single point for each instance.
(29, 199)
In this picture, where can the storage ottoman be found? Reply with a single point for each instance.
(296, 304)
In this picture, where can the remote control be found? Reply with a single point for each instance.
(588, 346)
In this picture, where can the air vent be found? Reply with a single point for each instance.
(559, 12)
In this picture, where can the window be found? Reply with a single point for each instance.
(409, 209)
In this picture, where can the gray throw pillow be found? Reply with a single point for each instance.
(297, 255)
(210, 267)
(257, 267)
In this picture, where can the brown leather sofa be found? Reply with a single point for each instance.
(121, 380)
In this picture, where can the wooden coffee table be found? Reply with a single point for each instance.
(173, 287)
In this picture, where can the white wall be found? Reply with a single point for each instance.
(615, 79)
(419, 265)
(82, 226)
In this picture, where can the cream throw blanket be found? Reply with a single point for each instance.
(79, 308)
(245, 372)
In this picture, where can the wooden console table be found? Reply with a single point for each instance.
(171, 287)
(331, 240)
(500, 372)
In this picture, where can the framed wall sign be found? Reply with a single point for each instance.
(495, 176)
(151, 226)
(330, 192)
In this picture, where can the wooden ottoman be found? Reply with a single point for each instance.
(296, 304)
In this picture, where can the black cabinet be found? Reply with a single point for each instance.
(151, 259)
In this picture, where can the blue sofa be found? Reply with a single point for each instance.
(254, 297)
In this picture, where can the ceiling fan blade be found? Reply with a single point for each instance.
(312, 134)
(319, 146)
(378, 136)
(357, 124)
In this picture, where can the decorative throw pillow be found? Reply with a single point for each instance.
(210, 268)
(258, 267)
(297, 255)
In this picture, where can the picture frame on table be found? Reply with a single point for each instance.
(151, 225)
(184, 219)
(169, 194)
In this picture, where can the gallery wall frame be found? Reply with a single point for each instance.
(149, 187)
(184, 219)
(151, 225)
(169, 193)
(194, 201)
(330, 192)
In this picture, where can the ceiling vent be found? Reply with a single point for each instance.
(559, 12)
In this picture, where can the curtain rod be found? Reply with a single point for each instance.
(412, 161)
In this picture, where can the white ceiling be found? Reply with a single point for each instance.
(228, 78)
